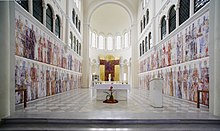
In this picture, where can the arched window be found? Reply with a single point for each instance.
(23, 3)
(109, 43)
(172, 19)
(38, 10)
(141, 25)
(80, 49)
(184, 11)
(146, 46)
(49, 18)
(73, 16)
(150, 44)
(147, 16)
(93, 39)
(76, 21)
(57, 26)
(198, 4)
(144, 21)
(71, 40)
(143, 47)
(140, 49)
(101, 42)
(126, 40)
(74, 41)
(77, 47)
(79, 25)
(118, 42)
(163, 27)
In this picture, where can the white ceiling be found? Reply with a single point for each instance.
(110, 18)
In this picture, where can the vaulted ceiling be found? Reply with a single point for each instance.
(110, 17)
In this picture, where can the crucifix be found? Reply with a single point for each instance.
(109, 68)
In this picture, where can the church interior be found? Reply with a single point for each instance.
(110, 65)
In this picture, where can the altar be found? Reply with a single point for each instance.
(120, 91)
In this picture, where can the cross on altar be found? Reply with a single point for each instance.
(109, 68)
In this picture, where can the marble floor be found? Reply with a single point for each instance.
(82, 100)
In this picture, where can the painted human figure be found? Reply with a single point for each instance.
(179, 83)
(185, 82)
(36, 45)
(205, 82)
(48, 90)
(18, 81)
(187, 51)
(206, 33)
(169, 53)
(40, 48)
(53, 82)
(44, 56)
(163, 57)
(27, 40)
(71, 82)
(195, 77)
(34, 86)
(195, 44)
(171, 82)
(32, 42)
(28, 82)
(57, 81)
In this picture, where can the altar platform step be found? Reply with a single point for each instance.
(97, 123)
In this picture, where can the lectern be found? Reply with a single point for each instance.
(156, 98)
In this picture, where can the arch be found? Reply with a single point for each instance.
(49, 18)
(109, 43)
(57, 26)
(71, 40)
(146, 44)
(101, 40)
(38, 10)
(144, 21)
(77, 46)
(172, 19)
(79, 25)
(141, 25)
(143, 49)
(23, 3)
(140, 48)
(163, 27)
(147, 16)
(184, 10)
(74, 41)
(149, 40)
(198, 4)
(76, 23)
(73, 15)
(96, 5)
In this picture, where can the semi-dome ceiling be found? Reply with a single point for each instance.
(110, 18)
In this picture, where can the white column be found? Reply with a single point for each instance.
(129, 73)
(214, 40)
(191, 7)
(61, 30)
(159, 32)
(67, 23)
(85, 55)
(7, 58)
(54, 18)
(44, 13)
(121, 72)
(30, 6)
(177, 15)
(133, 76)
